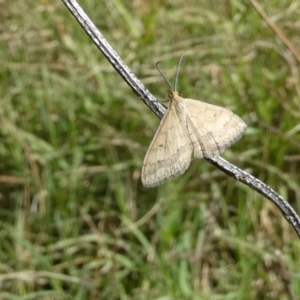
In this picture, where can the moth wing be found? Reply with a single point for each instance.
(212, 128)
(170, 151)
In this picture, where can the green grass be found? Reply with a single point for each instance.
(75, 221)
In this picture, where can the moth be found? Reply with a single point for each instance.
(190, 128)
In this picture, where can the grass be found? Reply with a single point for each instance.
(76, 222)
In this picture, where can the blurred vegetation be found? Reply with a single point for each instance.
(76, 223)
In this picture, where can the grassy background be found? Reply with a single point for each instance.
(75, 221)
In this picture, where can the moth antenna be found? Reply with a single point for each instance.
(177, 70)
(164, 76)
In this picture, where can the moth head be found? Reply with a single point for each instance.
(171, 94)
